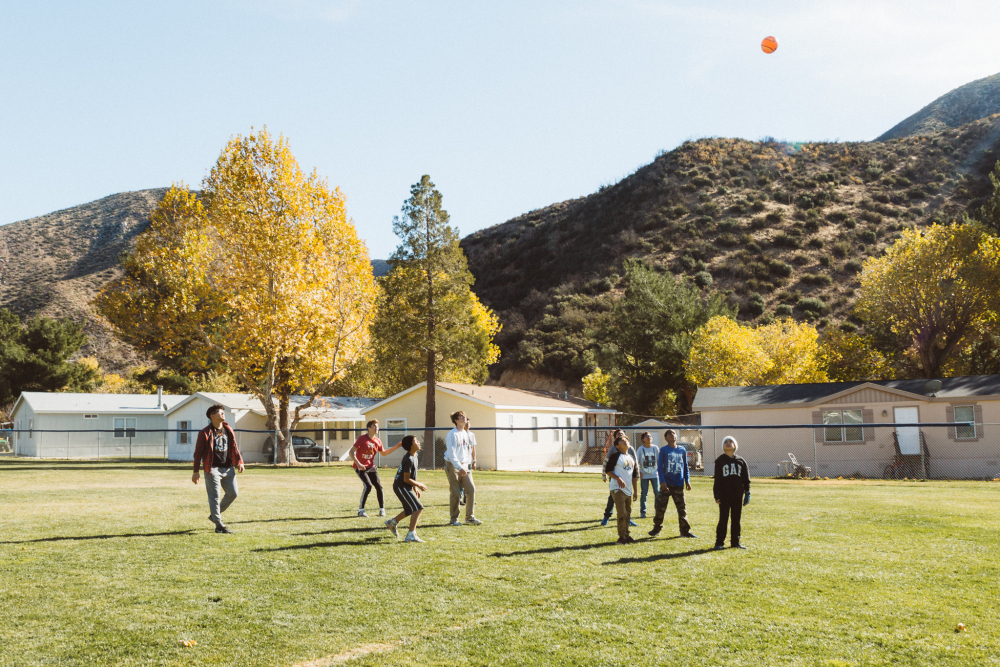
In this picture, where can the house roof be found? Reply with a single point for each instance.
(806, 394)
(508, 397)
(57, 402)
(324, 408)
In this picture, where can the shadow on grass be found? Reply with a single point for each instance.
(554, 532)
(363, 529)
(102, 537)
(323, 545)
(656, 557)
(573, 523)
(554, 550)
(298, 518)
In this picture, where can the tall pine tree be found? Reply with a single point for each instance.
(430, 326)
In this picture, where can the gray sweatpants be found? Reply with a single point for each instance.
(455, 483)
(217, 481)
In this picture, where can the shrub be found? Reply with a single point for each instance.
(815, 242)
(754, 305)
(678, 211)
(841, 249)
(854, 266)
(816, 279)
(800, 259)
(757, 206)
(811, 305)
(784, 240)
(703, 279)
(779, 268)
(783, 310)
(825, 260)
(850, 223)
(867, 236)
(729, 225)
(727, 240)
(837, 216)
(701, 181)
(847, 327)
(774, 217)
(739, 207)
(709, 209)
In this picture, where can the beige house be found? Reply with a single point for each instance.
(954, 433)
(516, 429)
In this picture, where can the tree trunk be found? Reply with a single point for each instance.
(286, 454)
(431, 408)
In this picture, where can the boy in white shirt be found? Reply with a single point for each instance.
(647, 455)
(620, 469)
(458, 467)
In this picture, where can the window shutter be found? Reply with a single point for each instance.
(950, 417)
(818, 419)
(868, 417)
(979, 422)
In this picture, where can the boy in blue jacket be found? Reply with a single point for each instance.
(672, 468)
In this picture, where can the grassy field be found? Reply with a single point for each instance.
(114, 564)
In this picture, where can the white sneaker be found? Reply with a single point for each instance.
(456, 522)
(412, 537)
(381, 511)
(363, 513)
(391, 525)
(473, 521)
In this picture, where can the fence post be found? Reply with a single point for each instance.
(274, 447)
(98, 445)
(562, 450)
(165, 445)
(815, 460)
(923, 458)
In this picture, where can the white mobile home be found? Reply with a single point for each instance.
(552, 424)
(332, 421)
(64, 425)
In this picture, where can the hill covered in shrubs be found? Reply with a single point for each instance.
(780, 229)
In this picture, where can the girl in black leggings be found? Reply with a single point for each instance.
(363, 453)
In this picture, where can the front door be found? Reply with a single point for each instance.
(909, 436)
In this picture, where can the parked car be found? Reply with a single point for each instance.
(305, 449)
(694, 456)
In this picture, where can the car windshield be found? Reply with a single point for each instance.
(305, 442)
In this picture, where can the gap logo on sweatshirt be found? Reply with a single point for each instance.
(731, 469)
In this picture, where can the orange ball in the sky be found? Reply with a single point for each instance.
(769, 45)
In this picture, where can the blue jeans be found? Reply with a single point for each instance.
(645, 488)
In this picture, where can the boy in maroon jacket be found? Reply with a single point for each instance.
(217, 451)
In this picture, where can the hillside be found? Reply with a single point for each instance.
(53, 264)
(781, 229)
(965, 104)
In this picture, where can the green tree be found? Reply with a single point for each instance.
(35, 356)
(429, 325)
(936, 288)
(989, 213)
(648, 337)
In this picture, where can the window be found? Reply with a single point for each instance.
(124, 427)
(392, 437)
(569, 429)
(842, 426)
(555, 431)
(90, 416)
(183, 437)
(965, 413)
(344, 433)
(579, 433)
(534, 429)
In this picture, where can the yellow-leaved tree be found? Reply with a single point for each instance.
(263, 271)
(851, 357)
(725, 353)
(938, 288)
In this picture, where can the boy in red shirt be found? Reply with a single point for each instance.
(216, 450)
(363, 453)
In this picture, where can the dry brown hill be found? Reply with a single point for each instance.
(53, 264)
(781, 229)
(965, 104)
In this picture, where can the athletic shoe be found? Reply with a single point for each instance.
(604, 521)
(739, 546)
(654, 532)
(720, 547)
(363, 514)
(381, 511)
(473, 521)
(456, 522)
(632, 523)
(222, 529)
(688, 535)
(391, 525)
(630, 539)
(621, 541)
(412, 537)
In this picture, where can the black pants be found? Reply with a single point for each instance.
(733, 507)
(369, 478)
(611, 506)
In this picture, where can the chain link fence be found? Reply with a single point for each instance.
(864, 451)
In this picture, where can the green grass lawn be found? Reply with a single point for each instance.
(115, 564)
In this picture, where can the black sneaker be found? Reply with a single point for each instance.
(688, 535)
(720, 547)
(223, 529)
(654, 532)
(739, 546)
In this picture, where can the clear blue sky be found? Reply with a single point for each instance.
(509, 106)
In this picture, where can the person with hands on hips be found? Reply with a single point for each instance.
(216, 450)
(458, 467)
(472, 466)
